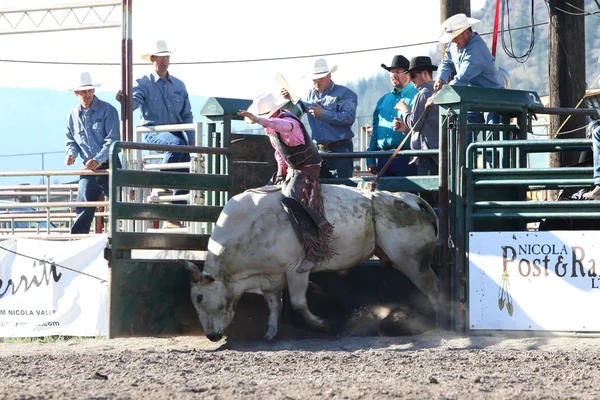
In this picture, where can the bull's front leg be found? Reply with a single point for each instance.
(274, 305)
(297, 285)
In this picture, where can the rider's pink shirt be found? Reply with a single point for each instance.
(289, 130)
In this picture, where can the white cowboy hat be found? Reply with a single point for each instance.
(455, 25)
(266, 105)
(321, 69)
(85, 83)
(161, 50)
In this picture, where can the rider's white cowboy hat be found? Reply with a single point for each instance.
(161, 49)
(455, 25)
(85, 83)
(320, 69)
(266, 105)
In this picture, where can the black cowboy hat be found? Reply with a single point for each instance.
(397, 62)
(420, 63)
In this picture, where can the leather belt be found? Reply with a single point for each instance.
(331, 146)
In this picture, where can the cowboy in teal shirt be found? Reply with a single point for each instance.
(383, 136)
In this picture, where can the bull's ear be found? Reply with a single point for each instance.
(195, 272)
(207, 279)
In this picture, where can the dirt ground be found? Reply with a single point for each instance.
(435, 365)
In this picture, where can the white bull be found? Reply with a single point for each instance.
(254, 249)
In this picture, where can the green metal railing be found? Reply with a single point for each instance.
(121, 209)
(145, 292)
(456, 102)
(479, 181)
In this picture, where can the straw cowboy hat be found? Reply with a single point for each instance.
(321, 69)
(455, 25)
(420, 63)
(161, 50)
(397, 62)
(85, 83)
(265, 105)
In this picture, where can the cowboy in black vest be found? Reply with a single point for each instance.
(299, 164)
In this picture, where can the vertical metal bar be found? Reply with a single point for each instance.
(124, 103)
(128, 91)
(444, 310)
(457, 227)
(210, 198)
(43, 177)
(453, 134)
(226, 161)
(196, 168)
(48, 200)
(129, 71)
(126, 135)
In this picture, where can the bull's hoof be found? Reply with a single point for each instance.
(324, 326)
(269, 335)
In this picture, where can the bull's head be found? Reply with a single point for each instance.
(212, 300)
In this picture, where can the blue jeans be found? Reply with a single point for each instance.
(90, 189)
(171, 139)
(476, 117)
(399, 167)
(338, 168)
(594, 127)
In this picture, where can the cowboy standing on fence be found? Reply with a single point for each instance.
(299, 164)
(468, 62)
(331, 111)
(92, 127)
(164, 100)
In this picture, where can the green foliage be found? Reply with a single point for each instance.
(50, 339)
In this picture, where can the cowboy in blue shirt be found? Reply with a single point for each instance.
(331, 111)
(164, 100)
(468, 62)
(92, 127)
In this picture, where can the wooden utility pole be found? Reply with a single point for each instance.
(450, 7)
(566, 63)
(452, 290)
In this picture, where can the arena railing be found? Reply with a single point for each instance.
(48, 210)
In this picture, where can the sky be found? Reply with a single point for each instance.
(226, 31)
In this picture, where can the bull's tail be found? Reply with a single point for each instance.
(425, 206)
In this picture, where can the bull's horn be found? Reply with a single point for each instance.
(195, 272)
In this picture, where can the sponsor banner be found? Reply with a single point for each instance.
(53, 287)
(544, 281)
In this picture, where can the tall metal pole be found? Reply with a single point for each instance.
(566, 63)
(126, 74)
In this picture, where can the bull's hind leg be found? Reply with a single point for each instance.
(274, 305)
(416, 266)
(297, 286)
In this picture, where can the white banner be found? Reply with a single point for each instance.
(53, 287)
(544, 281)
